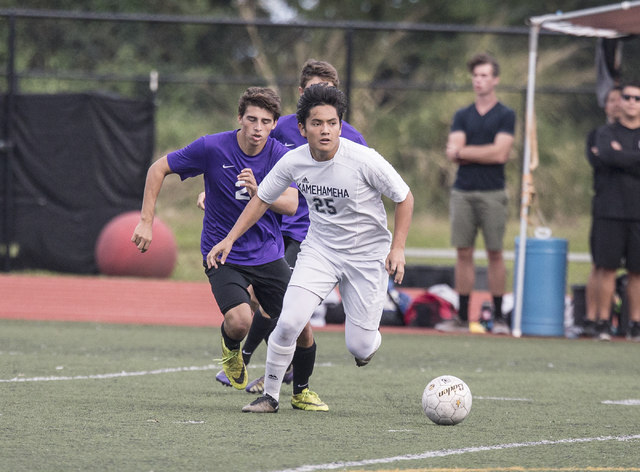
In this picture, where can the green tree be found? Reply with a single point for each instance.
(406, 85)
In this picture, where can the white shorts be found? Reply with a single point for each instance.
(362, 284)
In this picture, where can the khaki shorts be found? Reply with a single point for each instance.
(470, 210)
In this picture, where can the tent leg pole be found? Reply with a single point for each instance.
(526, 179)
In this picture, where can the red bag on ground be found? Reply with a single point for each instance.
(428, 309)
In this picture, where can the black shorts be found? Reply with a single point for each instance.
(615, 243)
(291, 250)
(229, 284)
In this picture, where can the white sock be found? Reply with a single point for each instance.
(278, 359)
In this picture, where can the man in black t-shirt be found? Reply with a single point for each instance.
(615, 236)
(480, 141)
(590, 326)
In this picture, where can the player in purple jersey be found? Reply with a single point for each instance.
(294, 229)
(233, 163)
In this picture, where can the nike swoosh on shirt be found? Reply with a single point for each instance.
(227, 167)
(289, 144)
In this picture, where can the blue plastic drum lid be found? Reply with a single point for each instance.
(545, 276)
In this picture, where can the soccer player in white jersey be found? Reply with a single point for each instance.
(348, 241)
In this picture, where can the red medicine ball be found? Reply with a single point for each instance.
(117, 255)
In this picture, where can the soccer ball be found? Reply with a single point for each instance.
(446, 400)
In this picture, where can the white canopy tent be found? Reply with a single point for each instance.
(611, 21)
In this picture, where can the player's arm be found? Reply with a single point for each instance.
(142, 235)
(249, 216)
(455, 142)
(395, 260)
(200, 200)
(494, 153)
(591, 150)
(610, 153)
(286, 204)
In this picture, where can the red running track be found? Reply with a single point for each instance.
(121, 300)
(108, 300)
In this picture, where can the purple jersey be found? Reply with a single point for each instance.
(288, 133)
(220, 159)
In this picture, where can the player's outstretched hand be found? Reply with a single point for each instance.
(395, 264)
(219, 253)
(200, 201)
(142, 236)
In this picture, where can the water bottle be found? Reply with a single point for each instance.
(486, 315)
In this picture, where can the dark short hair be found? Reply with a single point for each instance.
(615, 88)
(630, 83)
(317, 95)
(481, 59)
(261, 97)
(321, 69)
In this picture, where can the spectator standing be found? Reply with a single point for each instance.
(615, 238)
(612, 112)
(480, 142)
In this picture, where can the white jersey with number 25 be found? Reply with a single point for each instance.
(344, 196)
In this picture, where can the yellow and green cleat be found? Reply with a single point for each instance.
(308, 400)
(234, 367)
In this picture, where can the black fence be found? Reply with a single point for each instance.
(353, 35)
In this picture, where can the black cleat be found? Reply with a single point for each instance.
(263, 404)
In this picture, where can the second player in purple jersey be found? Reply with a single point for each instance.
(220, 158)
(288, 134)
(294, 230)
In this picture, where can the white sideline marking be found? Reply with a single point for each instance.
(504, 399)
(115, 375)
(452, 452)
(622, 402)
(130, 374)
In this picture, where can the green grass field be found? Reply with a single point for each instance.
(83, 396)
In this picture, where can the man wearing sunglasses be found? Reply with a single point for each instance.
(615, 238)
(591, 328)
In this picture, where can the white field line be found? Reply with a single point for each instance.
(170, 370)
(504, 399)
(338, 465)
(452, 452)
(114, 375)
(631, 402)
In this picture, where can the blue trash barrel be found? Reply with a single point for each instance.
(545, 276)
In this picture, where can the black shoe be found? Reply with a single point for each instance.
(603, 330)
(589, 329)
(263, 404)
(500, 326)
(363, 362)
(633, 334)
